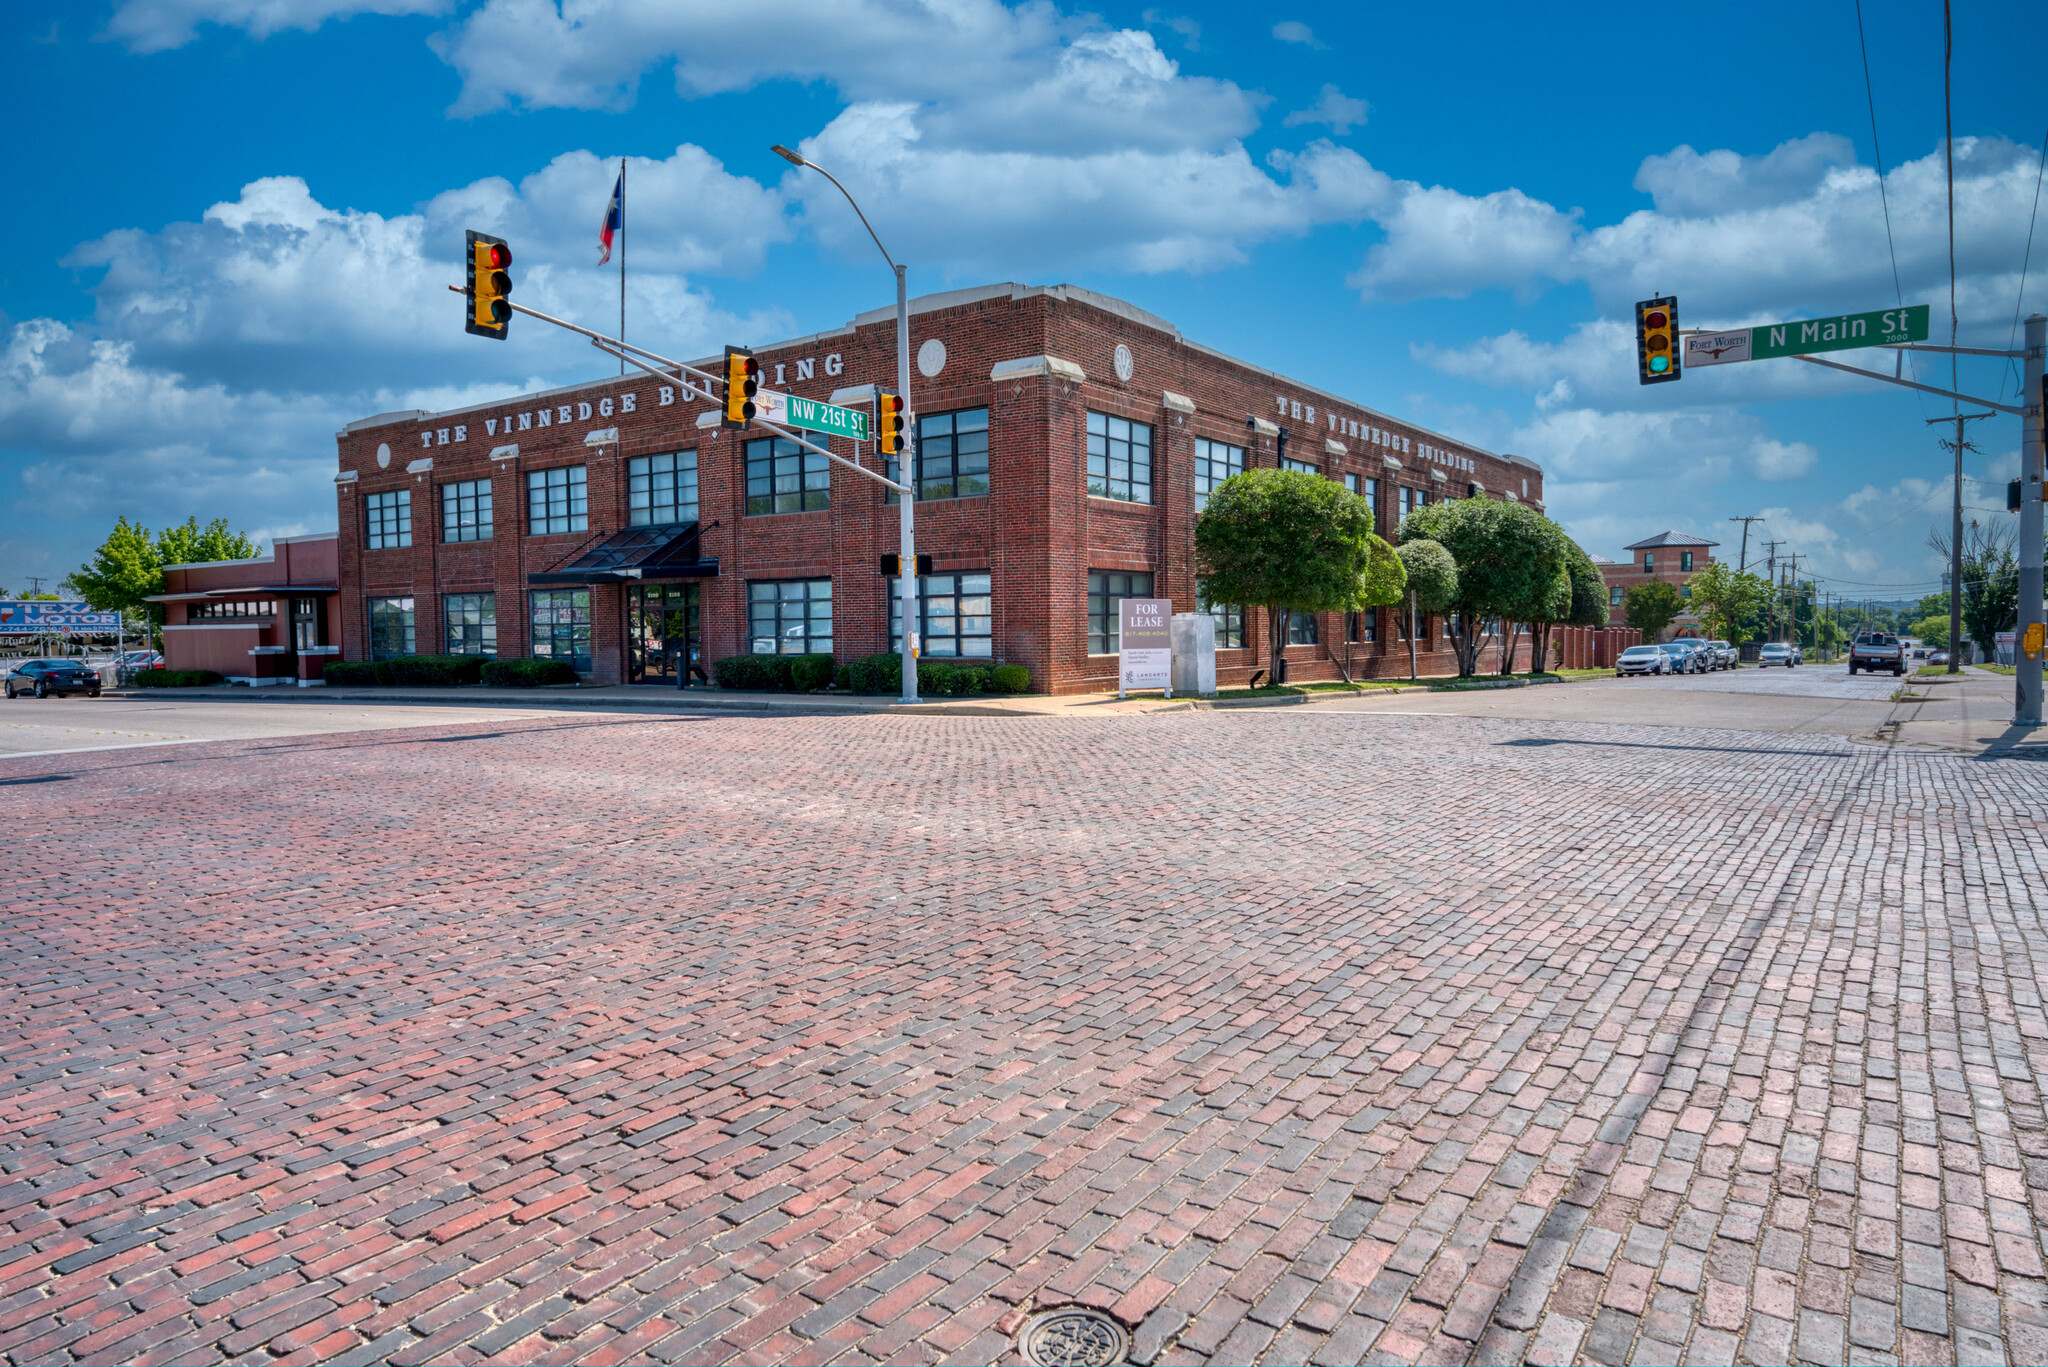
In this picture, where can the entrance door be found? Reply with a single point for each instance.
(662, 633)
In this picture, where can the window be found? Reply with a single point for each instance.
(1228, 617)
(1685, 562)
(1650, 562)
(1215, 461)
(1614, 597)
(790, 616)
(1362, 627)
(555, 501)
(782, 477)
(1350, 484)
(1685, 592)
(387, 519)
(1290, 463)
(561, 626)
(1411, 499)
(1119, 460)
(308, 624)
(1301, 628)
(466, 511)
(229, 612)
(661, 490)
(390, 628)
(470, 622)
(1107, 588)
(959, 617)
(952, 455)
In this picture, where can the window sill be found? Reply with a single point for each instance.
(1125, 504)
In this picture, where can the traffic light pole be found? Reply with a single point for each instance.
(2027, 668)
(906, 462)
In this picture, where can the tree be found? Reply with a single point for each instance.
(1432, 584)
(1650, 607)
(1507, 556)
(1726, 599)
(1991, 584)
(129, 565)
(1290, 541)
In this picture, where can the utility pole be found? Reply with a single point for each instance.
(1955, 534)
(1771, 576)
(1742, 563)
(1792, 580)
(35, 584)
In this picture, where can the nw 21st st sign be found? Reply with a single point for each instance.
(812, 416)
(1844, 332)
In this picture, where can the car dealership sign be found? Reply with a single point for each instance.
(35, 617)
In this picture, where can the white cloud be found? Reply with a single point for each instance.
(1442, 243)
(1332, 107)
(1294, 31)
(1689, 184)
(158, 25)
(1775, 461)
(1190, 30)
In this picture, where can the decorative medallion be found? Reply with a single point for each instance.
(1124, 365)
(931, 358)
(383, 456)
(1073, 1337)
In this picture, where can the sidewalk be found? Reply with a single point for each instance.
(1970, 713)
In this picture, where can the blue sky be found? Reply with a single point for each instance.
(230, 224)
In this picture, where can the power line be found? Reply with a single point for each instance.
(2026, 260)
(1870, 97)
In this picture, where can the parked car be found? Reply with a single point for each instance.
(1937, 657)
(139, 659)
(44, 677)
(1776, 653)
(1642, 660)
(1689, 654)
(1875, 650)
(1721, 655)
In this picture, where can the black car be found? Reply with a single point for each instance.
(44, 677)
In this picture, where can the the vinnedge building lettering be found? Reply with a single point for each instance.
(1297, 411)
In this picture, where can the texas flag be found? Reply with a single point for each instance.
(614, 217)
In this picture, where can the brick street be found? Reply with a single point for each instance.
(1292, 1037)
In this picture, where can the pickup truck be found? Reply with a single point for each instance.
(1875, 650)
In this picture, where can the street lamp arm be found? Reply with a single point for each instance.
(797, 159)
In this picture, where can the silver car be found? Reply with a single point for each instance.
(1642, 660)
(1777, 653)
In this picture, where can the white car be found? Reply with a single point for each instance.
(1777, 653)
(1642, 660)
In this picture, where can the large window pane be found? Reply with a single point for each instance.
(661, 490)
(387, 519)
(789, 616)
(561, 626)
(555, 501)
(470, 623)
(1215, 461)
(1119, 458)
(958, 617)
(783, 477)
(1107, 588)
(952, 454)
(466, 511)
(390, 628)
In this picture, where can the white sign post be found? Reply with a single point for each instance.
(1145, 644)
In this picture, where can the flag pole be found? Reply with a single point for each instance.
(622, 261)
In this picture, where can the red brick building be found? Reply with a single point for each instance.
(271, 619)
(1067, 441)
(1673, 557)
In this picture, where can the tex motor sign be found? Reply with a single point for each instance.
(36, 617)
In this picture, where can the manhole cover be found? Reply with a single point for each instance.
(1073, 1338)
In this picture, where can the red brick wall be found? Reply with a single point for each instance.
(1038, 532)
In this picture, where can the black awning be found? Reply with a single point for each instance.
(636, 554)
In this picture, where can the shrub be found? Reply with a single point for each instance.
(1009, 679)
(876, 674)
(807, 672)
(348, 673)
(528, 673)
(434, 671)
(842, 677)
(176, 678)
(969, 680)
(755, 673)
(934, 678)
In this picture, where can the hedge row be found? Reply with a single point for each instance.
(935, 678)
(448, 671)
(773, 673)
(176, 678)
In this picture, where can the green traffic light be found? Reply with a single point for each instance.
(1659, 364)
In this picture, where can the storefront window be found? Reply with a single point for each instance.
(661, 490)
(390, 628)
(790, 616)
(1107, 588)
(1229, 618)
(556, 501)
(470, 621)
(561, 626)
(958, 617)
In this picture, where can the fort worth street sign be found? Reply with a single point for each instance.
(1843, 332)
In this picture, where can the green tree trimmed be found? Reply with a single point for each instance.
(1289, 541)
(1650, 607)
(1432, 584)
(1726, 599)
(129, 565)
(1508, 557)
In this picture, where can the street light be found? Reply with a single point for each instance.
(906, 563)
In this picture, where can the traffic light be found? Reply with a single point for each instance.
(1657, 340)
(742, 382)
(2015, 495)
(892, 565)
(490, 280)
(889, 423)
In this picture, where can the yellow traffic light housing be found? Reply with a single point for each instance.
(889, 423)
(1657, 340)
(490, 280)
(742, 382)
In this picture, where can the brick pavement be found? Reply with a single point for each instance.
(1286, 1037)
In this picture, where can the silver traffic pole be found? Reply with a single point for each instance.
(2027, 669)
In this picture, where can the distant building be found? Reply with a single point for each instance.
(1673, 557)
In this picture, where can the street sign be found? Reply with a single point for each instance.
(1844, 332)
(33, 616)
(1145, 627)
(1717, 348)
(792, 410)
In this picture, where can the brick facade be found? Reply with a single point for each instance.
(1670, 557)
(1038, 532)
